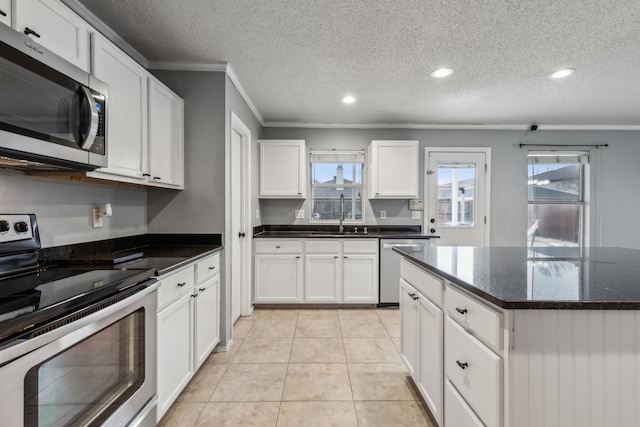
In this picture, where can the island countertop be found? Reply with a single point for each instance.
(601, 278)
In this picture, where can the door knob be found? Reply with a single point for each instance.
(433, 230)
(241, 234)
(432, 220)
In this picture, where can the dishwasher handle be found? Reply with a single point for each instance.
(401, 245)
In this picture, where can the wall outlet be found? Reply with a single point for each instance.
(96, 218)
(383, 214)
(299, 213)
(415, 215)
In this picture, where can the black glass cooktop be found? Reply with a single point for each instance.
(29, 299)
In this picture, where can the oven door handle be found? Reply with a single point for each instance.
(91, 129)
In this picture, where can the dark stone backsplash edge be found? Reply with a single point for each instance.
(334, 228)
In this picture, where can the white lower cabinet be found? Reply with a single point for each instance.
(207, 318)
(175, 366)
(278, 278)
(5, 12)
(475, 371)
(421, 341)
(322, 278)
(360, 278)
(456, 411)
(188, 327)
(334, 271)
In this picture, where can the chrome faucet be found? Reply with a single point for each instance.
(341, 229)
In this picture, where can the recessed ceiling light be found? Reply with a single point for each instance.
(562, 73)
(441, 72)
(348, 99)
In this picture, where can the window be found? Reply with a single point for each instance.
(556, 193)
(333, 174)
(456, 188)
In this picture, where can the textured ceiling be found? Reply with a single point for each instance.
(296, 59)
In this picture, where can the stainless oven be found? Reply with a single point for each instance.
(98, 369)
(52, 113)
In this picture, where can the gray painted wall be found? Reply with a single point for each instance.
(614, 177)
(199, 208)
(63, 208)
(209, 98)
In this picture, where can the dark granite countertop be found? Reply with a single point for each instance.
(161, 252)
(331, 231)
(539, 278)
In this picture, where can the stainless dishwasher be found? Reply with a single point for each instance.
(390, 266)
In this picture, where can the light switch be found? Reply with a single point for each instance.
(415, 215)
(383, 214)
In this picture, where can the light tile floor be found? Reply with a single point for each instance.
(306, 368)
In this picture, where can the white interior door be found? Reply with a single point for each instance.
(456, 194)
(236, 224)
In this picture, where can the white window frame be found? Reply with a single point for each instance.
(338, 154)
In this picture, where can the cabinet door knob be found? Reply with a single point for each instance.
(157, 177)
(461, 310)
(194, 295)
(432, 220)
(146, 174)
(298, 257)
(277, 247)
(202, 289)
(28, 31)
(336, 257)
(182, 284)
(241, 234)
(212, 268)
(463, 366)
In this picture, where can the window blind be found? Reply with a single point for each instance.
(336, 156)
(555, 157)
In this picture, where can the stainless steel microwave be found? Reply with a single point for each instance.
(52, 113)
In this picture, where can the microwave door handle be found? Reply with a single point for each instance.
(94, 119)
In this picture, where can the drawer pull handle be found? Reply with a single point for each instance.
(463, 366)
(182, 284)
(277, 247)
(461, 310)
(212, 268)
(194, 295)
(202, 289)
(413, 296)
(28, 31)
(2, 12)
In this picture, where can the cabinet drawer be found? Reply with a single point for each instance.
(174, 286)
(361, 246)
(456, 411)
(322, 246)
(482, 321)
(278, 246)
(207, 268)
(424, 282)
(475, 371)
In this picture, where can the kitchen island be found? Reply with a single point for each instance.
(523, 337)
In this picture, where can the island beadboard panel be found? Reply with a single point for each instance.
(575, 368)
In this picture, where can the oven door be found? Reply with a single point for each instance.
(101, 371)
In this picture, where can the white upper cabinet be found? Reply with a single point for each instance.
(126, 112)
(394, 169)
(166, 133)
(54, 26)
(283, 169)
(5, 12)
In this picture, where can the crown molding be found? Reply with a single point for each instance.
(520, 127)
(219, 67)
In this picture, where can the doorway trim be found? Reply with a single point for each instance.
(487, 183)
(237, 125)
